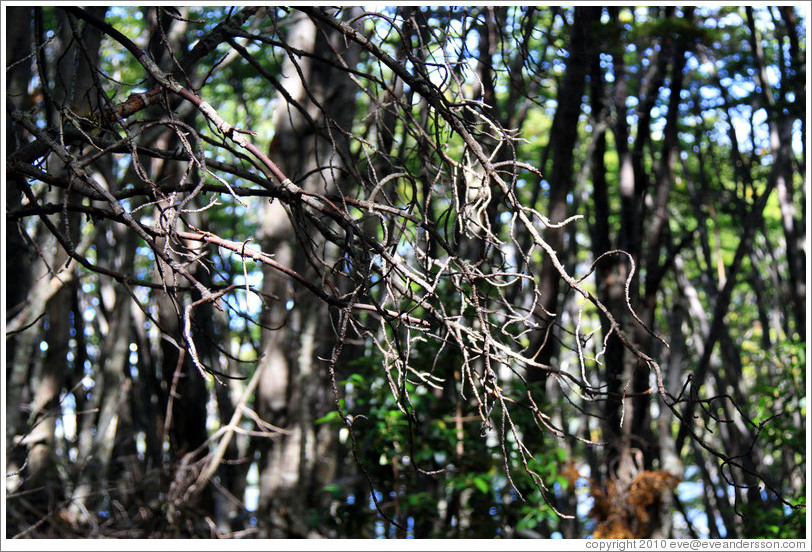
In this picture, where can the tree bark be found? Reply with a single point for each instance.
(294, 390)
(565, 134)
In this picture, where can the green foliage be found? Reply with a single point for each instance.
(776, 522)
(124, 71)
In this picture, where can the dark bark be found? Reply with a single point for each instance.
(294, 467)
(18, 256)
(43, 488)
(564, 134)
(780, 121)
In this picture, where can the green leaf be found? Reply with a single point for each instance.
(329, 417)
(482, 484)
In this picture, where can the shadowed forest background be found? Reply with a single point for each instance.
(467, 272)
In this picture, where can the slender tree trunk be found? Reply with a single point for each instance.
(19, 347)
(43, 487)
(780, 124)
(294, 467)
(565, 133)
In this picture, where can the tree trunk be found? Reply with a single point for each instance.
(565, 133)
(311, 150)
(43, 488)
